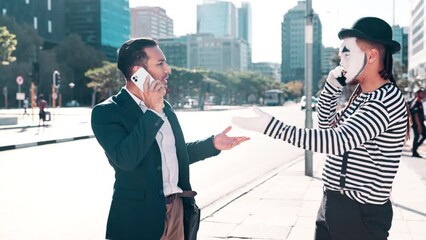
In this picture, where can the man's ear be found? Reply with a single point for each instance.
(134, 69)
(373, 55)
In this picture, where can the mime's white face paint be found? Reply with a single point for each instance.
(352, 59)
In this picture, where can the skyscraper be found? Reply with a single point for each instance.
(293, 46)
(104, 24)
(244, 26)
(46, 16)
(417, 40)
(218, 18)
(150, 22)
(244, 22)
(400, 34)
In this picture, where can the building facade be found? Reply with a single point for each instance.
(293, 46)
(104, 24)
(245, 26)
(270, 69)
(205, 51)
(150, 22)
(218, 18)
(46, 16)
(327, 56)
(417, 41)
(400, 63)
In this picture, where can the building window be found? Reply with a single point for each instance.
(49, 5)
(4, 11)
(35, 23)
(49, 26)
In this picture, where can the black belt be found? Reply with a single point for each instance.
(172, 197)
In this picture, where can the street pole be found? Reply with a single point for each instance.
(308, 80)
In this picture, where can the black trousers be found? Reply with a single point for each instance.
(341, 218)
(417, 139)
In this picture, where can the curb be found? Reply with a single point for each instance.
(40, 143)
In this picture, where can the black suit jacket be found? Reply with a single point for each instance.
(128, 137)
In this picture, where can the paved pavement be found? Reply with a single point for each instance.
(280, 206)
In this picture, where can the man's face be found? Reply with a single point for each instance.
(156, 64)
(352, 59)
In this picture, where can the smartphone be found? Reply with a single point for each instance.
(138, 78)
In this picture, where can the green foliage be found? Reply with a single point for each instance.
(105, 80)
(7, 46)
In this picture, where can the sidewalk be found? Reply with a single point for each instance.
(285, 207)
(282, 207)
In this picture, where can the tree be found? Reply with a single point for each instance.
(7, 46)
(105, 80)
(75, 58)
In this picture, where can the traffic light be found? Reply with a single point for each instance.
(56, 79)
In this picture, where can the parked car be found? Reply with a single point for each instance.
(72, 103)
(313, 103)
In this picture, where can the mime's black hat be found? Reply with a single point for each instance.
(373, 29)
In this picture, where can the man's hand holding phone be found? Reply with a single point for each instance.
(154, 96)
(152, 91)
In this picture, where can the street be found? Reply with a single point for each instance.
(63, 191)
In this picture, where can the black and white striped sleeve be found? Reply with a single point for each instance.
(370, 120)
(327, 106)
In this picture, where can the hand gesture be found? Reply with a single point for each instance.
(223, 142)
(257, 124)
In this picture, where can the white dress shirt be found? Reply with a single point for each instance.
(166, 143)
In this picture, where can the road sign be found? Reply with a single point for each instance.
(19, 80)
(20, 96)
(54, 95)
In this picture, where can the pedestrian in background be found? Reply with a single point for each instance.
(144, 143)
(363, 142)
(418, 118)
(26, 104)
(42, 104)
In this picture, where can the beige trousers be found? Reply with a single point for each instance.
(173, 228)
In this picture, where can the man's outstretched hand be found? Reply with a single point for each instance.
(224, 142)
(257, 124)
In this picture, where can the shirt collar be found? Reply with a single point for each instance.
(137, 100)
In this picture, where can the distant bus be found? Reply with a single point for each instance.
(274, 97)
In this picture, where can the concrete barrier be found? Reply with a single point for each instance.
(8, 120)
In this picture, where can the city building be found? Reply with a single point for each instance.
(46, 16)
(245, 26)
(270, 69)
(400, 63)
(150, 22)
(225, 21)
(293, 46)
(176, 50)
(104, 24)
(328, 55)
(218, 18)
(417, 41)
(205, 51)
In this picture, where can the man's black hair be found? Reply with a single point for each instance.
(132, 53)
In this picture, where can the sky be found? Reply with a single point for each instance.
(267, 16)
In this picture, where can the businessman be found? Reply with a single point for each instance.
(144, 143)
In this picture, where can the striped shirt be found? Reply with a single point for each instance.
(372, 131)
